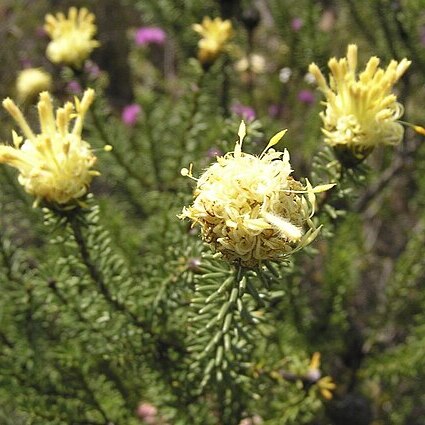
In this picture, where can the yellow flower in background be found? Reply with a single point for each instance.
(31, 82)
(54, 165)
(215, 33)
(72, 37)
(361, 112)
(324, 384)
(250, 209)
(254, 62)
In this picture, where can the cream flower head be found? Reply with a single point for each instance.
(215, 33)
(31, 82)
(250, 209)
(254, 62)
(361, 112)
(72, 37)
(54, 165)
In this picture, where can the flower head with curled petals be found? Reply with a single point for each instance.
(215, 34)
(361, 112)
(72, 36)
(250, 209)
(54, 165)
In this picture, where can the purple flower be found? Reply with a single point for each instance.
(92, 69)
(130, 114)
(148, 35)
(296, 24)
(26, 63)
(306, 96)
(74, 87)
(245, 112)
(274, 110)
(40, 32)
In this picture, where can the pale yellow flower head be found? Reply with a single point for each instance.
(54, 165)
(215, 34)
(361, 111)
(254, 62)
(31, 82)
(250, 209)
(72, 36)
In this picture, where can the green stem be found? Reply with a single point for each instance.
(407, 41)
(94, 400)
(379, 7)
(191, 121)
(120, 160)
(96, 274)
(250, 71)
(360, 23)
(7, 262)
(16, 188)
(401, 162)
(110, 373)
(117, 155)
(105, 367)
(5, 341)
(155, 154)
(225, 87)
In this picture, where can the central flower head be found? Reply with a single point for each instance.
(250, 209)
(215, 33)
(361, 112)
(72, 37)
(54, 165)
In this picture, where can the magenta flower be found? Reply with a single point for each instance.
(74, 87)
(92, 69)
(274, 110)
(40, 32)
(150, 35)
(245, 112)
(306, 96)
(296, 24)
(26, 63)
(130, 114)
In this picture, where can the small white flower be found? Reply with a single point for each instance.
(309, 78)
(285, 75)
